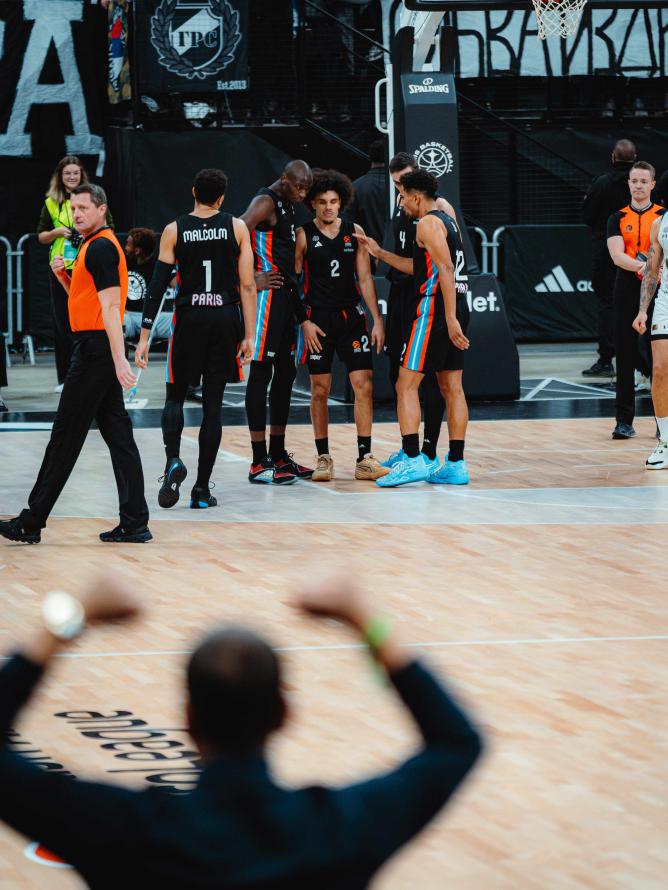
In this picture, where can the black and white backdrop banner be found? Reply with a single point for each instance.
(192, 46)
(627, 42)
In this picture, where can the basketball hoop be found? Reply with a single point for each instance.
(558, 18)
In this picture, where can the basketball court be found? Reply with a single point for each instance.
(537, 589)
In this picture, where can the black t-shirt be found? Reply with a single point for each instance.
(139, 275)
(102, 263)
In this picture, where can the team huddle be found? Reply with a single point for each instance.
(261, 290)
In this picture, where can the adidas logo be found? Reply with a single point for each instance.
(558, 282)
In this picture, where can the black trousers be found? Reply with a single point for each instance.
(62, 332)
(91, 392)
(603, 282)
(631, 349)
(3, 362)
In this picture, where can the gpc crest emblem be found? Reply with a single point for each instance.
(195, 38)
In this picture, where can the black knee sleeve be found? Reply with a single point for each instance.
(210, 432)
(256, 395)
(280, 394)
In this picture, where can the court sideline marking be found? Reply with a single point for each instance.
(441, 644)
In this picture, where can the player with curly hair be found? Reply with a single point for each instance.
(336, 273)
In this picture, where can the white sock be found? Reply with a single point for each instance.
(663, 428)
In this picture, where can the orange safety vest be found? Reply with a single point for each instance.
(83, 304)
(635, 228)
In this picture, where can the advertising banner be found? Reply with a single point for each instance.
(549, 293)
(192, 46)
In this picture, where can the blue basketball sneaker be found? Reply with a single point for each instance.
(432, 465)
(451, 473)
(394, 459)
(410, 469)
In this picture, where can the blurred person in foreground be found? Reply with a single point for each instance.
(238, 828)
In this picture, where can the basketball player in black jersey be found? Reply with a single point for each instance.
(270, 218)
(336, 273)
(214, 259)
(400, 276)
(434, 333)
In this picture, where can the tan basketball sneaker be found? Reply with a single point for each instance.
(370, 468)
(324, 470)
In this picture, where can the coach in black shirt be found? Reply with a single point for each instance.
(369, 207)
(607, 193)
(238, 828)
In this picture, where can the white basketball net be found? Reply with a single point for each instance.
(558, 18)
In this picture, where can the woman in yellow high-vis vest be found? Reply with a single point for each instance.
(56, 228)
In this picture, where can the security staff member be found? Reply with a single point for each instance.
(629, 234)
(238, 828)
(92, 391)
(607, 193)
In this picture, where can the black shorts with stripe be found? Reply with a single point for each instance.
(204, 344)
(427, 345)
(275, 324)
(346, 335)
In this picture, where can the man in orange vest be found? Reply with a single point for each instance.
(93, 387)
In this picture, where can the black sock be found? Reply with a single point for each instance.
(429, 448)
(322, 446)
(363, 447)
(277, 446)
(456, 451)
(411, 444)
(434, 409)
(259, 451)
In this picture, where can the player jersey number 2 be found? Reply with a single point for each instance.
(459, 266)
(334, 268)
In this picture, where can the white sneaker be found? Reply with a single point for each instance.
(58, 388)
(658, 459)
(324, 470)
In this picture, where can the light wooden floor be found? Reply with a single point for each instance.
(539, 590)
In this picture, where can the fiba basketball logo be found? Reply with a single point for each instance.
(435, 158)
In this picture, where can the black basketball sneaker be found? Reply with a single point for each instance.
(175, 473)
(202, 499)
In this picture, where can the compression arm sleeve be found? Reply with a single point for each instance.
(162, 275)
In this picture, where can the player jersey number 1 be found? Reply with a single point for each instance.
(207, 275)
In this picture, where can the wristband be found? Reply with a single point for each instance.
(63, 615)
(377, 632)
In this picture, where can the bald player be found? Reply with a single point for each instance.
(270, 218)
